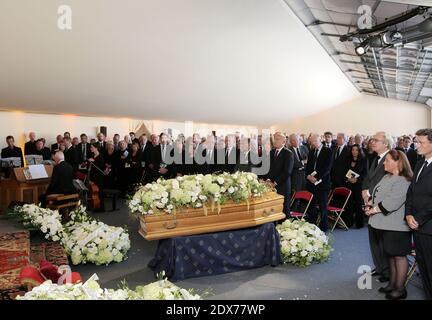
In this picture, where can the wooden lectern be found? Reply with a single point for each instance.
(19, 188)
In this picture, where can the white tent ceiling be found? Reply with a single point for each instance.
(221, 61)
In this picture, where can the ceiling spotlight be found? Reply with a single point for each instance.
(391, 37)
(387, 37)
(362, 48)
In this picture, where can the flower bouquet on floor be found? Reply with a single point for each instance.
(95, 242)
(91, 290)
(83, 238)
(40, 219)
(303, 243)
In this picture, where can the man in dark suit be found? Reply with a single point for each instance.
(161, 158)
(232, 154)
(30, 146)
(70, 153)
(61, 179)
(410, 152)
(210, 155)
(83, 151)
(318, 179)
(145, 150)
(101, 143)
(340, 154)
(300, 154)
(381, 144)
(56, 146)
(11, 151)
(43, 151)
(328, 140)
(281, 168)
(244, 162)
(116, 140)
(418, 209)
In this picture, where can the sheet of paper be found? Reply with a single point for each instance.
(37, 172)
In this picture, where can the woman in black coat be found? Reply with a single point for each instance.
(133, 164)
(357, 164)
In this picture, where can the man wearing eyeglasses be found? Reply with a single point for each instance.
(381, 144)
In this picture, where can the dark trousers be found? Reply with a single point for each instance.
(354, 212)
(298, 180)
(320, 198)
(286, 204)
(379, 257)
(423, 248)
(285, 190)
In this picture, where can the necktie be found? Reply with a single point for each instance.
(277, 153)
(375, 163)
(422, 169)
(298, 154)
(163, 153)
(337, 153)
(315, 158)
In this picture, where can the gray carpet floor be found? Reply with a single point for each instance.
(335, 279)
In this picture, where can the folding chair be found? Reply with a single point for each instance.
(413, 265)
(344, 194)
(301, 195)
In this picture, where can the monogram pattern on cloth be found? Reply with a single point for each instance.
(217, 253)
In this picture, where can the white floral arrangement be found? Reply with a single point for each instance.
(46, 220)
(303, 243)
(95, 242)
(83, 238)
(196, 191)
(91, 290)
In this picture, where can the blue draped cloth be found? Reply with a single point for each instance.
(217, 253)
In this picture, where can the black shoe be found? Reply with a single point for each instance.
(397, 295)
(383, 279)
(387, 289)
(375, 273)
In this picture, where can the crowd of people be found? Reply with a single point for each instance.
(385, 175)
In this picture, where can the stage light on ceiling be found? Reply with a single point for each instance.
(391, 37)
(363, 48)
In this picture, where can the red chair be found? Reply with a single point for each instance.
(304, 196)
(335, 213)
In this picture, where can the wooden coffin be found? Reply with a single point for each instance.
(231, 216)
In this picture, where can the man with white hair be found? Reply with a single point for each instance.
(61, 179)
(318, 179)
(30, 146)
(341, 153)
(300, 152)
(232, 154)
(281, 168)
(381, 143)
